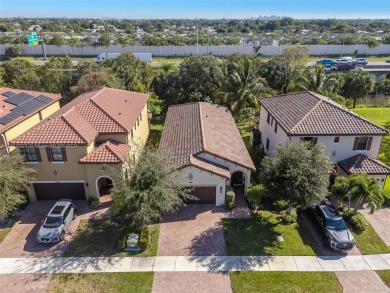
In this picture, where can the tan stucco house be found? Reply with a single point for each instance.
(22, 109)
(202, 142)
(79, 151)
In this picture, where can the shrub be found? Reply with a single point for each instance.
(229, 188)
(13, 51)
(93, 203)
(229, 205)
(281, 205)
(254, 194)
(123, 236)
(230, 196)
(386, 196)
(356, 220)
(144, 238)
(289, 218)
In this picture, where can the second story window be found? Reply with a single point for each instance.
(276, 127)
(140, 116)
(362, 143)
(137, 121)
(131, 134)
(312, 140)
(337, 139)
(56, 154)
(32, 154)
(267, 144)
(268, 118)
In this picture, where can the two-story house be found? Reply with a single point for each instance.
(351, 141)
(20, 110)
(79, 151)
(202, 141)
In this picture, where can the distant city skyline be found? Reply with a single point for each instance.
(211, 9)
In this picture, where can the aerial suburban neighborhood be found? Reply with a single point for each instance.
(158, 147)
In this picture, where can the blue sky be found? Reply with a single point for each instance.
(196, 8)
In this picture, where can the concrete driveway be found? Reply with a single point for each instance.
(21, 242)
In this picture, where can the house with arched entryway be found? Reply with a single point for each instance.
(203, 142)
(79, 151)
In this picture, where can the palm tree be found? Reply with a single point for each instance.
(243, 86)
(357, 85)
(314, 80)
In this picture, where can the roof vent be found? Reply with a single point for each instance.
(125, 101)
(120, 113)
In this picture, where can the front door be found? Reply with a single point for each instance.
(237, 179)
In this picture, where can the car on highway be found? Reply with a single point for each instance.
(361, 61)
(330, 68)
(388, 61)
(336, 234)
(343, 61)
(346, 66)
(57, 222)
(326, 62)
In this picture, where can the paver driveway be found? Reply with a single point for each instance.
(21, 242)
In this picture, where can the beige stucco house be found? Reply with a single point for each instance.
(22, 109)
(79, 151)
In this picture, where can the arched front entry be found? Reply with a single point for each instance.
(104, 184)
(238, 179)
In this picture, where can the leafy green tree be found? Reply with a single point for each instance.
(362, 188)
(21, 74)
(254, 194)
(297, 173)
(14, 180)
(155, 105)
(56, 40)
(150, 189)
(104, 40)
(56, 75)
(357, 85)
(243, 85)
(13, 51)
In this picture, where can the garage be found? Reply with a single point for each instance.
(206, 195)
(55, 191)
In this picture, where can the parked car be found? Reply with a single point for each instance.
(326, 62)
(57, 222)
(333, 227)
(330, 68)
(361, 61)
(343, 61)
(347, 66)
(345, 58)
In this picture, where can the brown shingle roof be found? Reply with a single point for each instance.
(80, 121)
(6, 108)
(195, 128)
(363, 164)
(308, 113)
(109, 152)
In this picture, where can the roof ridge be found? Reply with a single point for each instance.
(106, 145)
(378, 161)
(306, 115)
(71, 126)
(108, 115)
(201, 126)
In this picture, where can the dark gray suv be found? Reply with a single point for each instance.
(336, 233)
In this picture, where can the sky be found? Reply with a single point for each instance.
(212, 9)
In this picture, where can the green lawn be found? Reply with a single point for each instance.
(268, 282)
(257, 236)
(99, 282)
(385, 276)
(155, 133)
(369, 241)
(101, 238)
(168, 60)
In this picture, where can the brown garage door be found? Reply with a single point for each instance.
(50, 191)
(205, 194)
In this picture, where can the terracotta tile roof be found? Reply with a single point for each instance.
(6, 107)
(109, 152)
(363, 164)
(103, 111)
(308, 113)
(209, 166)
(195, 128)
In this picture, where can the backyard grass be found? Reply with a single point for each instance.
(99, 282)
(257, 236)
(369, 241)
(155, 133)
(243, 282)
(101, 238)
(168, 60)
(385, 276)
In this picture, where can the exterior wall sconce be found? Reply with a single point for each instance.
(103, 168)
(220, 189)
(333, 153)
(86, 184)
(190, 176)
(55, 172)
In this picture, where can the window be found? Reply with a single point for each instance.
(267, 144)
(272, 121)
(337, 139)
(56, 154)
(131, 133)
(362, 143)
(40, 115)
(66, 213)
(311, 139)
(140, 116)
(276, 127)
(268, 118)
(32, 154)
(137, 121)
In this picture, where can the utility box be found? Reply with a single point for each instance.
(132, 242)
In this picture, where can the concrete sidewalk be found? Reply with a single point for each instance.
(194, 264)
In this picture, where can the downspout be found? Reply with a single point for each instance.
(5, 142)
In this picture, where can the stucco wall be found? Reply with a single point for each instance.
(204, 178)
(381, 179)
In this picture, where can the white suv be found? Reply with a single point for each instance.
(362, 61)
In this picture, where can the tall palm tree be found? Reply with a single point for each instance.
(357, 85)
(243, 86)
(315, 80)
